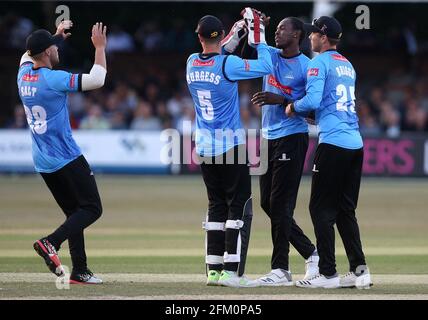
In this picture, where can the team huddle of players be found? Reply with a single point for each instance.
(295, 90)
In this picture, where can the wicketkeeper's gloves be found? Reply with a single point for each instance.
(255, 26)
(236, 34)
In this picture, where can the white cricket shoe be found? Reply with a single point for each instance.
(360, 278)
(231, 279)
(276, 278)
(311, 266)
(319, 281)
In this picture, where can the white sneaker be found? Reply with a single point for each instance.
(231, 279)
(276, 278)
(311, 266)
(348, 280)
(319, 281)
(360, 278)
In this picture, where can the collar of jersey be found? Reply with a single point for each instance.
(296, 55)
(208, 55)
(39, 68)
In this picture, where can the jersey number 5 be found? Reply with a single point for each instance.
(36, 118)
(345, 100)
(207, 109)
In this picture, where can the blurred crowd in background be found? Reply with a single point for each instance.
(394, 103)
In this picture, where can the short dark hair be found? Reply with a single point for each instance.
(297, 25)
(333, 42)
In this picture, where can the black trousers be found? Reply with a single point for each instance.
(75, 190)
(279, 188)
(228, 190)
(336, 178)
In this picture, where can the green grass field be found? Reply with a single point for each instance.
(149, 242)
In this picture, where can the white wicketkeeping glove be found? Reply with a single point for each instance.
(255, 25)
(236, 34)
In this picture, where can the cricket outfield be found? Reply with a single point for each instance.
(149, 243)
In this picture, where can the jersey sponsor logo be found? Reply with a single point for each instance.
(313, 72)
(284, 157)
(275, 83)
(247, 65)
(338, 57)
(30, 78)
(200, 63)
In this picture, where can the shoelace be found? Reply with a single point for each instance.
(350, 273)
(50, 247)
(315, 277)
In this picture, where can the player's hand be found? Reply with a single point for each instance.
(289, 110)
(310, 118)
(99, 35)
(64, 25)
(265, 97)
(311, 121)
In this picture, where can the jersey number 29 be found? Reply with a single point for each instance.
(207, 108)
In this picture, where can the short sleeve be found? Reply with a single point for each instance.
(64, 81)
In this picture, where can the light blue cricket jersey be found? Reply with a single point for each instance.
(288, 79)
(330, 90)
(211, 80)
(43, 93)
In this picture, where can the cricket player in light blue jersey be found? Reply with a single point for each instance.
(212, 80)
(57, 157)
(287, 139)
(336, 175)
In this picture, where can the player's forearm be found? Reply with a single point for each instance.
(100, 57)
(264, 59)
(96, 77)
(249, 69)
(311, 101)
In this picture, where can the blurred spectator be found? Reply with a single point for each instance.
(144, 119)
(164, 116)
(179, 38)
(414, 118)
(186, 123)
(368, 124)
(118, 121)
(390, 119)
(119, 40)
(149, 36)
(19, 120)
(15, 30)
(95, 119)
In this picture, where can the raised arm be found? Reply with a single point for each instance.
(236, 68)
(95, 79)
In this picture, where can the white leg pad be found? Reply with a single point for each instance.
(213, 226)
(211, 259)
(234, 224)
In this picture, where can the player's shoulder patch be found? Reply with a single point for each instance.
(313, 72)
